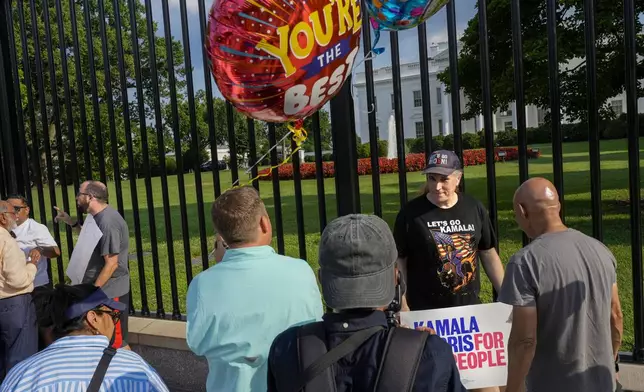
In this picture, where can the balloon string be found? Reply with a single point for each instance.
(299, 137)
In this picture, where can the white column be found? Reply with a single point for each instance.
(447, 113)
(515, 123)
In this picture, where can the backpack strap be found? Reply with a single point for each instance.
(101, 369)
(401, 357)
(311, 379)
(311, 345)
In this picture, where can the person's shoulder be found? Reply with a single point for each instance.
(35, 225)
(110, 215)
(131, 357)
(415, 206)
(585, 238)
(524, 255)
(136, 362)
(471, 201)
(284, 343)
(292, 264)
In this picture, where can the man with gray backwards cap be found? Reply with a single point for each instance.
(357, 346)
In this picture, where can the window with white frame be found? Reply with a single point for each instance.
(507, 125)
(617, 106)
(392, 102)
(440, 127)
(418, 99)
(439, 96)
(420, 130)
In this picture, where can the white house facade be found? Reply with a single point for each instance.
(441, 104)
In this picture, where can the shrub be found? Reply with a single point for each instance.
(413, 163)
(415, 146)
(170, 165)
(364, 150)
(471, 141)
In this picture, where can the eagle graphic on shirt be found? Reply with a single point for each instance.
(457, 254)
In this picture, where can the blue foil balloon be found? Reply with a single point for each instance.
(394, 15)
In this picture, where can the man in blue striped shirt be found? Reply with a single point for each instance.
(82, 317)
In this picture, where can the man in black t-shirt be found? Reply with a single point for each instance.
(441, 236)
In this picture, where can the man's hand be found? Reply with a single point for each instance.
(426, 329)
(35, 255)
(62, 216)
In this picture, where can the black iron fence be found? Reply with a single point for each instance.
(94, 89)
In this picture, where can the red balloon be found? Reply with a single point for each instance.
(282, 60)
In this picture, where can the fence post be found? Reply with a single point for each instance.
(343, 132)
(14, 183)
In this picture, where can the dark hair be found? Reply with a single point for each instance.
(19, 197)
(51, 305)
(98, 190)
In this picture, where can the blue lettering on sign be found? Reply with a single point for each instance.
(449, 327)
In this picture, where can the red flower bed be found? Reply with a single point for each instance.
(413, 163)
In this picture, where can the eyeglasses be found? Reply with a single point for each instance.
(223, 243)
(17, 209)
(114, 314)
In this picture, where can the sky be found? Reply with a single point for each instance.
(408, 40)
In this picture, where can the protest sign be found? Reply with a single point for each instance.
(478, 335)
(87, 240)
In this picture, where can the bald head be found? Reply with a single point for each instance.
(537, 194)
(537, 207)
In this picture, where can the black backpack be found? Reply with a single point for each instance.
(397, 370)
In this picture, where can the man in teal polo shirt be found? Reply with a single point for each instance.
(237, 307)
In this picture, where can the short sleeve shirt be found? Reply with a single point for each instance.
(441, 246)
(115, 240)
(31, 235)
(568, 276)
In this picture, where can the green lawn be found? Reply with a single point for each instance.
(577, 208)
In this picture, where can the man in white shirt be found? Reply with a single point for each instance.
(34, 239)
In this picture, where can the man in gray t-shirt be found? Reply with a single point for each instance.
(108, 265)
(115, 241)
(567, 320)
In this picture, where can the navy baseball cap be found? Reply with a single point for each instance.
(443, 162)
(95, 300)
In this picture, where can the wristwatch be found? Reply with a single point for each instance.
(76, 224)
(617, 364)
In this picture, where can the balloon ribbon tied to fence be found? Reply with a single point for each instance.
(299, 136)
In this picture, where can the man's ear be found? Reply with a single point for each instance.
(92, 319)
(265, 224)
(523, 210)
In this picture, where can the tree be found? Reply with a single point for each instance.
(96, 74)
(571, 51)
